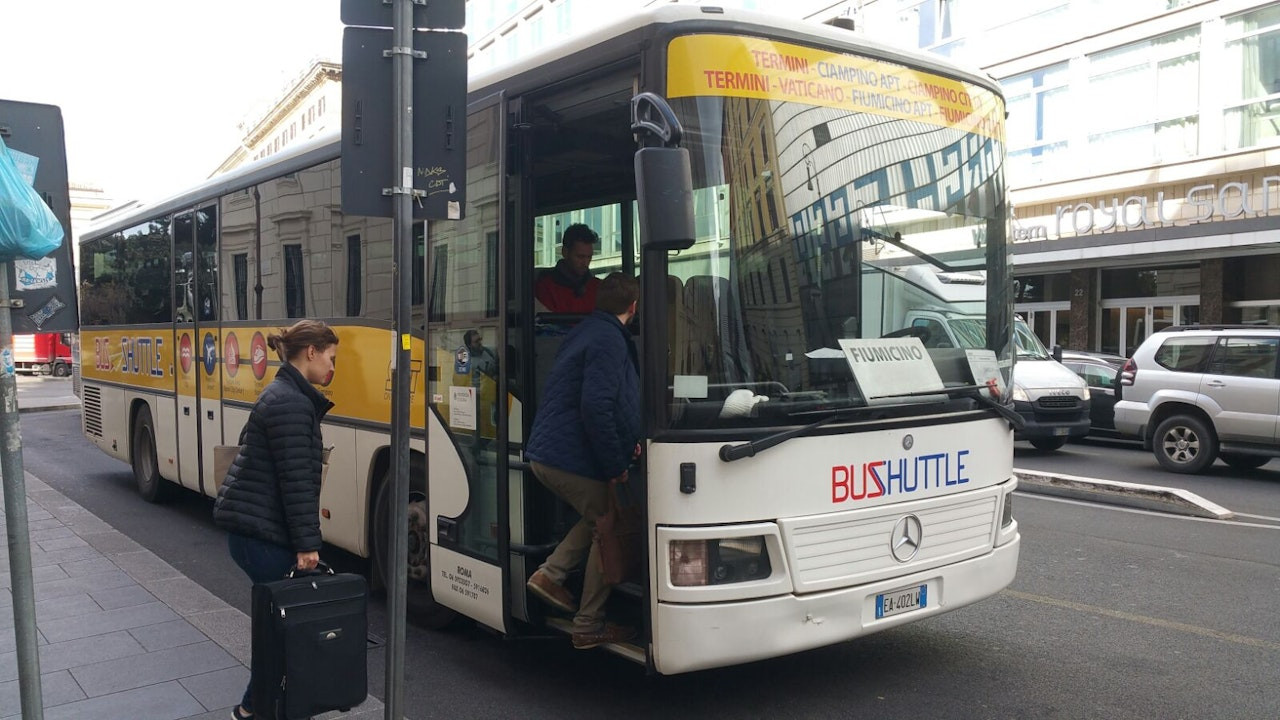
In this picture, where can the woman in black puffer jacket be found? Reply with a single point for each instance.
(269, 502)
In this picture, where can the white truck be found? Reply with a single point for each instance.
(937, 307)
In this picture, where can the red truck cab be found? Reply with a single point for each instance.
(43, 353)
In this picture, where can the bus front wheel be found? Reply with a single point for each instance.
(146, 468)
(421, 604)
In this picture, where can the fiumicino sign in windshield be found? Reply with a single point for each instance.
(736, 66)
(886, 367)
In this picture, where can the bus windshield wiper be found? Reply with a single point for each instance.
(729, 453)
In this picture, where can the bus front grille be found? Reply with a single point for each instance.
(852, 548)
(92, 405)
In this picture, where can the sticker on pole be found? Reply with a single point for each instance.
(886, 369)
(6, 362)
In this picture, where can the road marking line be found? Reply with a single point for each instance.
(1156, 622)
(1152, 513)
(1259, 517)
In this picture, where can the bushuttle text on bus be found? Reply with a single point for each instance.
(898, 476)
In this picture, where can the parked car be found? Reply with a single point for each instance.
(1101, 372)
(1195, 393)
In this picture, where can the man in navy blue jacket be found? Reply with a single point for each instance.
(586, 433)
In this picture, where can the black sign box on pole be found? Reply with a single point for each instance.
(48, 303)
(439, 124)
(433, 14)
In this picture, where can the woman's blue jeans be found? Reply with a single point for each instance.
(263, 562)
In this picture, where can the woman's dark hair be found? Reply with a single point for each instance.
(300, 336)
(617, 292)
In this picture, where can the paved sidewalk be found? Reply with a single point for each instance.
(122, 633)
(43, 393)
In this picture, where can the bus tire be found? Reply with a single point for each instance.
(61, 369)
(420, 603)
(146, 468)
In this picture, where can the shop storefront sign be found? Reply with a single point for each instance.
(1208, 202)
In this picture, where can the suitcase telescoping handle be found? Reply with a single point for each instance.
(320, 569)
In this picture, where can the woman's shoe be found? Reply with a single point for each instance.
(237, 715)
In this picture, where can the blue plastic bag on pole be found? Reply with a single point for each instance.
(28, 228)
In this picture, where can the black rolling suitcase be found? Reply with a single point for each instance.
(309, 645)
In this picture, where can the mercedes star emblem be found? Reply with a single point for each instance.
(904, 543)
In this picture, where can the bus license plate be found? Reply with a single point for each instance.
(900, 601)
(1061, 431)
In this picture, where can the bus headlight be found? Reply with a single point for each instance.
(718, 562)
(1020, 394)
(1006, 515)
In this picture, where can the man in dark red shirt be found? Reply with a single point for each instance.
(570, 287)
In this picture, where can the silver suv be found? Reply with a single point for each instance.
(1195, 393)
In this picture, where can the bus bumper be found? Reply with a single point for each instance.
(695, 637)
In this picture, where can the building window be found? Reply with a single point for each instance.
(1150, 91)
(419, 260)
(355, 273)
(439, 272)
(564, 17)
(491, 259)
(1055, 287)
(320, 106)
(1253, 55)
(534, 28)
(240, 265)
(511, 45)
(1040, 119)
(295, 299)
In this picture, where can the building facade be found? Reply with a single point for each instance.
(309, 108)
(1144, 155)
(1143, 137)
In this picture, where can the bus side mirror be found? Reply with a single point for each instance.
(1057, 353)
(664, 182)
(664, 194)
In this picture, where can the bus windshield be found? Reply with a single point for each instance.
(972, 332)
(843, 214)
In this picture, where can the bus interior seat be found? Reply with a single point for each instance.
(716, 345)
(550, 330)
(701, 314)
(677, 327)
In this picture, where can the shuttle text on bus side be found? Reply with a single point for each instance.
(141, 356)
(899, 476)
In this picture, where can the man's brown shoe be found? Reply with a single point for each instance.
(610, 633)
(550, 593)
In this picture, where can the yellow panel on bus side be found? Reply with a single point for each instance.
(361, 384)
(141, 358)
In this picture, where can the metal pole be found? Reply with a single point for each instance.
(402, 241)
(15, 511)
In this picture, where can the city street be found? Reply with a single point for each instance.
(1114, 613)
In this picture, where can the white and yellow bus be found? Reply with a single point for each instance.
(806, 480)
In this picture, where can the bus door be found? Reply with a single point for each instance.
(469, 411)
(199, 340)
(573, 152)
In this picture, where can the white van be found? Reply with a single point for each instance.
(1052, 400)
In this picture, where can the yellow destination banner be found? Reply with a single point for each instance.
(747, 67)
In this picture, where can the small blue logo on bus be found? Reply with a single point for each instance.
(210, 353)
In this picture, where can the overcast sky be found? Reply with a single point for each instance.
(151, 91)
